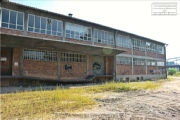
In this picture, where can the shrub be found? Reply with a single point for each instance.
(172, 71)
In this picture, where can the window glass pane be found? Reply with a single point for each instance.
(59, 26)
(20, 19)
(12, 26)
(30, 29)
(49, 26)
(37, 22)
(43, 23)
(4, 25)
(54, 25)
(31, 21)
(43, 31)
(5, 15)
(13, 17)
(20, 27)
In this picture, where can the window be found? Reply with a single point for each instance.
(138, 45)
(160, 63)
(103, 37)
(12, 19)
(137, 61)
(123, 41)
(40, 55)
(123, 60)
(151, 47)
(44, 25)
(160, 49)
(78, 32)
(151, 63)
(71, 57)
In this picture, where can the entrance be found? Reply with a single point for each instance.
(98, 65)
(6, 61)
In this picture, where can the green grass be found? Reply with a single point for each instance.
(41, 103)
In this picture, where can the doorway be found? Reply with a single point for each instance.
(6, 61)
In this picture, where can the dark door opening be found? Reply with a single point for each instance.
(6, 61)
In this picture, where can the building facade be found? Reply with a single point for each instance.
(47, 46)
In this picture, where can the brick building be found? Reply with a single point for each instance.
(40, 45)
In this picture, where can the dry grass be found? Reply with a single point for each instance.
(41, 103)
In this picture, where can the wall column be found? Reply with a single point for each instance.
(25, 23)
(92, 34)
(64, 31)
(87, 65)
(114, 69)
(21, 62)
(58, 60)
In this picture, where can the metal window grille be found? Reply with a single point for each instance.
(41, 55)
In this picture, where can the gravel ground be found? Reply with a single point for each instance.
(160, 104)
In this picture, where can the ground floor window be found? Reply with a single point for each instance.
(71, 57)
(30, 54)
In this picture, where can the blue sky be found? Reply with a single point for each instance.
(131, 16)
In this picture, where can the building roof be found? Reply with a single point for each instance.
(66, 16)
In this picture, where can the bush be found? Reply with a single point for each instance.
(172, 71)
(177, 74)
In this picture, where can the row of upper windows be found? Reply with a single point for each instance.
(138, 61)
(43, 25)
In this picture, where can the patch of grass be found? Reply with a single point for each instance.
(19, 105)
(123, 87)
(41, 103)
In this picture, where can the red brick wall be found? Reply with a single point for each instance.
(123, 69)
(129, 50)
(161, 56)
(161, 70)
(78, 41)
(150, 54)
(139, 69)
(101, 44)
(109, 65)
(138, 52)
(16, 58)
(11, 31)
(43, 69)
(78, 70)
(31, 34)
(154, 68)
(90, 66)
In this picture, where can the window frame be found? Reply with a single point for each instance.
(73, 57)
(104, 41)
(55, 59)
(121, 44)
(8, 23)
(40, 29)
(77, 37)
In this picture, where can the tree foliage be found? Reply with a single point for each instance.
(172, 71)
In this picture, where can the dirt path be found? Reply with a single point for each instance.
(161, 104)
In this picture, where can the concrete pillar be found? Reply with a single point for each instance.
(87, 65)
(146, 65)
(114, 69)
(115, 39)
(132, 66)
(59, 67)
(165, 60)
(92, 34)
(25, 23)
(64, 30)
(21, 62)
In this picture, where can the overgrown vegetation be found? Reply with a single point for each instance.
(172, 71)
(41, 103)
